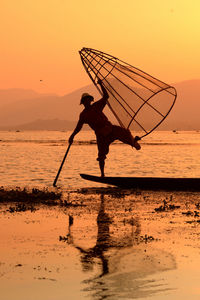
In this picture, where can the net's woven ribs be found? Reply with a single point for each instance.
(138, 100)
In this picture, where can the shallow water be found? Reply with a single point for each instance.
(114, 246)
(33, 158)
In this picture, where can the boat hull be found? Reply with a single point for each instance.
(149, 183)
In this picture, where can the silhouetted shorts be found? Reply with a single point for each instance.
(116, 133)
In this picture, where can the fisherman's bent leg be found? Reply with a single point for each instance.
(103, 149)
(125, 136)
(101, 166)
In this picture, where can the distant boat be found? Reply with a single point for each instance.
(174, 131)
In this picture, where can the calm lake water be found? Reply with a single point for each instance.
(112, 244)
(33, 158)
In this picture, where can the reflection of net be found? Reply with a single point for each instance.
(138, 100)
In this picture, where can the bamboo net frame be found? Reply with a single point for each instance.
(138, 100)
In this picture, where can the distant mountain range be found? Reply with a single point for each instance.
(185, 113)
(30, 110)
(27, 110)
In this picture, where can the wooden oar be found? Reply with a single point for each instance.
(55, 180)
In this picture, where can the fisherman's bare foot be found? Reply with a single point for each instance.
(136, 145)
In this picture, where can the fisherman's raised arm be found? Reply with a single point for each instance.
(105, 93)
(102, 102)
(76, 130)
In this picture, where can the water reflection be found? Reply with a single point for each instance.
(102, 243)
(124, 263)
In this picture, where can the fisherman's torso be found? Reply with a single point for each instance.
(96, 119)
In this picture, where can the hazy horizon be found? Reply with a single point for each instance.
(32, 90)
(21, 108)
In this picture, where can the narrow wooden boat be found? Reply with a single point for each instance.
(149, 183)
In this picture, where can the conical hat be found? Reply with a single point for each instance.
(84, 96)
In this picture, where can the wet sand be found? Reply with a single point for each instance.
(102, 243)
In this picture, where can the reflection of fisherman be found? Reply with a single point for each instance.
(106, 133)
(103, 243)
(119, 264)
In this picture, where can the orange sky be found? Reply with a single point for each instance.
(40, 39)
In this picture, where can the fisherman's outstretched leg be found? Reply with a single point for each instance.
(125, 136)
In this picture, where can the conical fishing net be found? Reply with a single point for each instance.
(138, 100)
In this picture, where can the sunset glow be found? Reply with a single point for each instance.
(100, 147)
(40, 40)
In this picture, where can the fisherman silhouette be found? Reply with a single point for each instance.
(106, 132)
